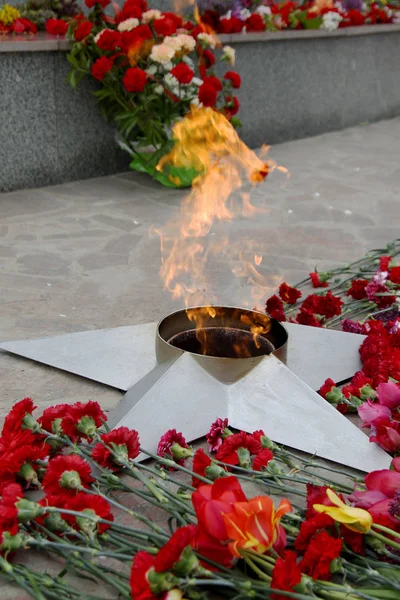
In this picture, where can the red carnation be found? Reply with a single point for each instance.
(384, 263)
(316, 281)
(109, 40)
(279, 315)
(200, 463)
(56, 26)
(134, 80)
(262, 459)
(66, 474)
(305, 317)
(8, 511)
(131, 9)
(228, 454)
(207, 94)
(83, 419)
(89, 503)
(92, 3)
(208, 58)
(51, 419)
(286, 575)
(183, 73)
(101, 67)
(274, 303)
(22, 25)
(234, 78)
(395, 275)
(310, 527)
(386, 433)
(231, 108)
(355, 17)
(289, 294)
(319, 554)
(232, 25)
(124, 442)
(171, 552)
(215, 436)
(329, 305)
(214, 81)
(142, 565)
(173, 445)
(255, 23)
(167, 24)
(326, 387)
(357, 289)
(83, 30)
(13, 421)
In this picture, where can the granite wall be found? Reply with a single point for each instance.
(295, 85)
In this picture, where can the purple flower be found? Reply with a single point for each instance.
(352, 4)
(351, 326)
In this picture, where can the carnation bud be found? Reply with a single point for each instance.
(28, 473)
(28, 510)
(335, 396)
(87, 426)
(244, 458)
(214, 472)
(161, 582)
(29, 422)
(226, 432)
(56, 426)
(120, 453)
(367, 393)
(70, 480)
(179, 452)
(11, 543)
(336, 566)
(275, 468)
(375, 544)
(187, 563)
(266, 442)
(88, 525)
(55, 522)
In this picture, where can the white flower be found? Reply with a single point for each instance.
(188, 43)
(331, 20)
(162, 53)
(207, 39)
(159, 89)
(380, 277)
(228, 54)
(150, 15)
(128, 24)
(186, 59)
(263, 10)
(173, 42)
(227, 15)
(152, 70)
(196, 102)
(197, 81)
(244, 14)
(171, 81)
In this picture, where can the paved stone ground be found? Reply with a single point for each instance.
(78, 256)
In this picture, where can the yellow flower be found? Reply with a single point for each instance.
(355, 519)
(8, 14)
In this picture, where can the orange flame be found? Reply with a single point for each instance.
(206, 141)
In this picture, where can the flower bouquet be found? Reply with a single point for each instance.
(152, 67)
(327, 534)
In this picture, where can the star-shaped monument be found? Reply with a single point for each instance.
(188, 391)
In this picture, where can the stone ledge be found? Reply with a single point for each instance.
(44, 42)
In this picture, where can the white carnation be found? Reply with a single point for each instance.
(128, 24)
(162, 53)
(151, 15)
(263, 10)
(244, 14)
(228, 54)
(159, 89)
(187, 42)
(173, 42)
(207, 39)
(331, 20)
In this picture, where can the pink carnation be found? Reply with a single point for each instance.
(167, 440)
(215, 436)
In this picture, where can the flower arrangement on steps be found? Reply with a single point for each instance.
(336, 538)
(152, 68)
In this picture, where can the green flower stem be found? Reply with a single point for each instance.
(170, 463)
(95, 552)
(13, 575)
(256, 569)
(165, 477)
(384, 539)
(386, 530)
